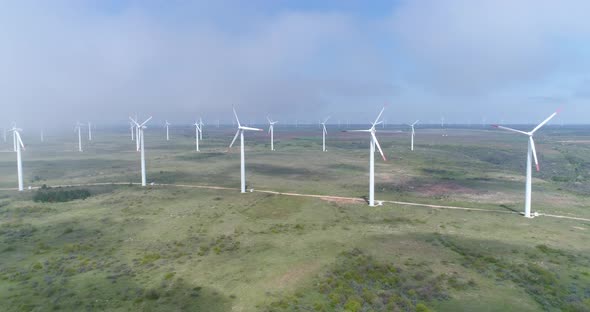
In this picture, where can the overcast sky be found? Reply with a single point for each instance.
(465, 60)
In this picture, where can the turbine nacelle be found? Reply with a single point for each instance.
(241, 128)
(530, 134)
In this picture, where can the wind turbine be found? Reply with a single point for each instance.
(240, 132)
(42, 136)
(374, 143)
(197, 131)
(137, 137)
(201, 126)
(79, 129)
(167, 132)
(13, 137)
(19, 165)
(271, 132)
(141, 127)
(132, 129)
(324, 132)
(413, 133)
(532, 153)
(89, 131)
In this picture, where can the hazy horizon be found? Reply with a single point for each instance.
(101, 61)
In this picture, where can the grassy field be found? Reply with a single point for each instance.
(170, 248)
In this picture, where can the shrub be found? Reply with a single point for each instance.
(59, 195)
(152, 294)
(352, 305)
(421, 307)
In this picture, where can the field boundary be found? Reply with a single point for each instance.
(328, 197)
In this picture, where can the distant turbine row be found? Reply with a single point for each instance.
(137, 135)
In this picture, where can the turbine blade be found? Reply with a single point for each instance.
(19, 140)
(235, 137)
(326, 120)
(251, 129)
(133, 121)
(269, 121)
(236, 114)
(378, 146)
(510, 129)
(544, 122)
(534, 151)
(415, 123)
(325, 131)
(146, 121)
(379, 116)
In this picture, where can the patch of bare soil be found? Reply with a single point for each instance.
(296, 274)
(339, 200)
(444, 188)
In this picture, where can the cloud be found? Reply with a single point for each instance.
(462, 47)
(72, 61)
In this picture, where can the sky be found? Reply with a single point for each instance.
(467, 61)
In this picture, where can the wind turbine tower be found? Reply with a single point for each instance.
(271, 131)
(19, 165)
(140, 136)
(79, 129)
(324, 133)
(374, 142)
(531, 154)
(167, 132)
(240, 132)
(413, 133)
(197, 131)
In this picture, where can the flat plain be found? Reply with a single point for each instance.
(192, 242)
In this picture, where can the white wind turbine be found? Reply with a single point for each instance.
(324, 132)
(89, 131)
(13, 137)
(141, 127)
(271, 131)
(42, 136)
(137, 137)
(413, 133)
(240, 132)
(201, 126)
(79, 129)
(167, 132)
(132, 129)
(197, 131)
(374, 143)
(532, 153)
(19, 165)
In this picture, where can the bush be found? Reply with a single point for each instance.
(59, 195)
(358, 282)
(420, 307)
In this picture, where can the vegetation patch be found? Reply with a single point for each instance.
(358, 282)
(59, 195)
(552, 291)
